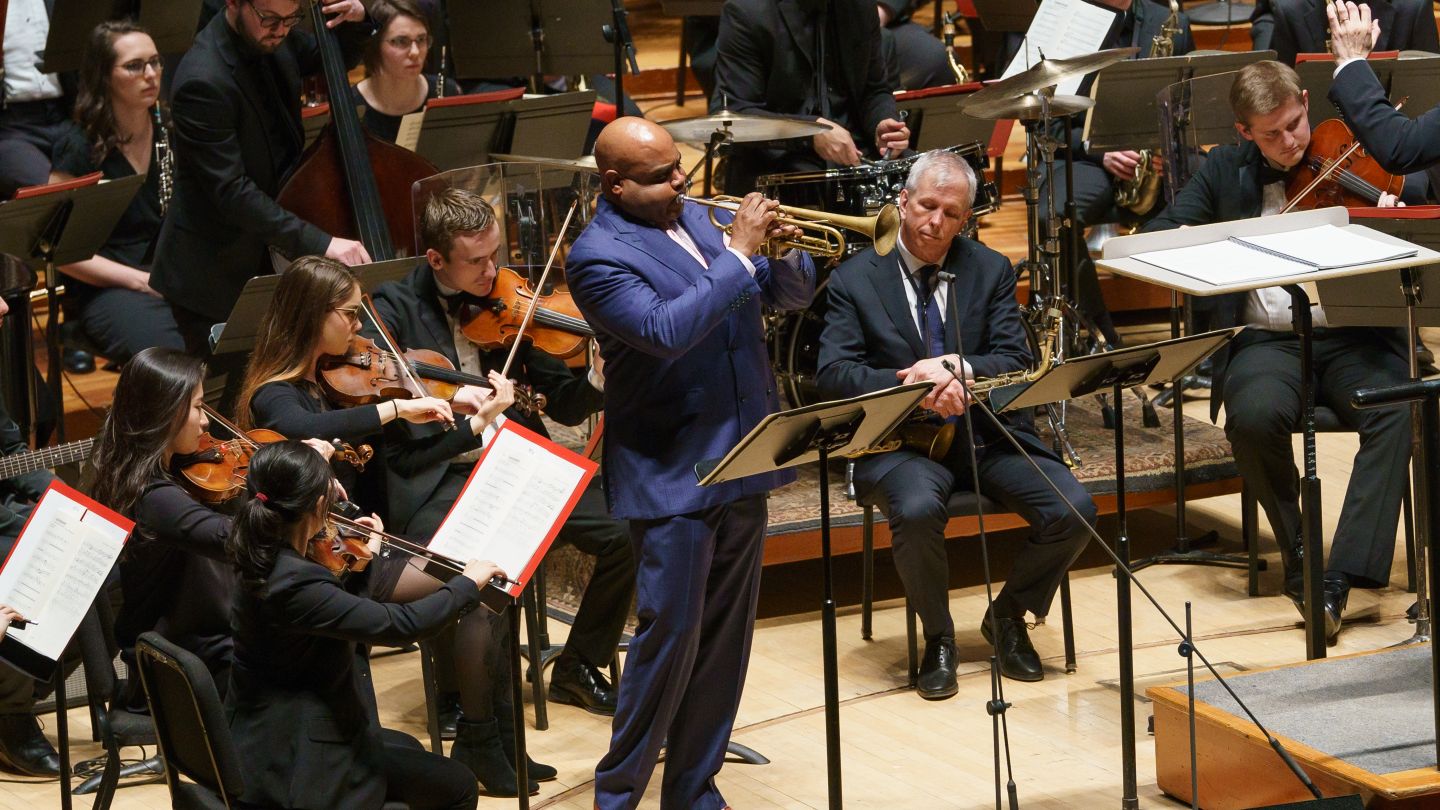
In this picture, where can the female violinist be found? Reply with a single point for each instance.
(301, 702)
(119, 130)
(395, 84)
(316, 313)
(174, 575)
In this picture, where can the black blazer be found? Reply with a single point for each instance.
(870, 333)
(223, 216)
(1302, 27)
(412, 312)
(1398, 143)
(1228, 187)
(301, 703)
(765, 63)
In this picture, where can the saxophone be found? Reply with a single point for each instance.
(164, 159)
(1140, 194)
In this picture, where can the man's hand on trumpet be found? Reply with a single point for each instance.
(754, 223)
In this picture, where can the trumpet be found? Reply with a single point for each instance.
(821, 234)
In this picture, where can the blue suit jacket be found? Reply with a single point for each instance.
(687, 372)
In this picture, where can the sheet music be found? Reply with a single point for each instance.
(1222, 263)
(517, 496)
(409, 134)
(58, 565)
(1062, 29)
(1327, 247)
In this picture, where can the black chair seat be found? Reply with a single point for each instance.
(132, 728)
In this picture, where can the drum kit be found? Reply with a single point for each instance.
(865, 190)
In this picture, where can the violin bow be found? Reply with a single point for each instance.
(405, 370)
(540, 285)
(235, 432)
(1330, 169)
(412, 548)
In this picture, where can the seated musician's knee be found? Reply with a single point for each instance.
(1069, 524)
(917, 508)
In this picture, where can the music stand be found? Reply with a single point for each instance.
(1417, 80)
(65, 44)
(1006, 15)
(171, 23)
(800, 436)
(1118, 370)
(455, 134)
(535, 38)
(936, 121)
(237, 333)
(1126, 106)
(60, 226)
(1117, 259)
(551, 126)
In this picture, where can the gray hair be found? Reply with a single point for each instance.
(942, 165)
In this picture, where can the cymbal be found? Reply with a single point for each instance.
(1047, 73)
(1027, 108)
(742, 128)
(584, 163)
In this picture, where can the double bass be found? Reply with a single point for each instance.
(377, 176)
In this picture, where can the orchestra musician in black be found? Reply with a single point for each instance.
(395, 83)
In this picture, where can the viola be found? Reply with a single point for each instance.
(216, 471)
(367, 374)
(1337, 170)
(557, 329)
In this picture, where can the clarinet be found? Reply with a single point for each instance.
(165, 159)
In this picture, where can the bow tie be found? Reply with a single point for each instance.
(455, 301)
(1269, 174)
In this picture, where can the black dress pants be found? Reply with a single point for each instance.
(29, 131)
(915, 493)
(1262, 410)
(423, 780)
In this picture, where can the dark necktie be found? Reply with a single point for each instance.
(927, 306)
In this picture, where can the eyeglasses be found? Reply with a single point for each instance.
(352, 314)
(136, 67)
(404, 43)
(273, 21)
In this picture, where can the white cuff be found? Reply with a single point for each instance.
(749, 265)
(596, 378)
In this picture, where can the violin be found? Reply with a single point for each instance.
(342, 523)
(216, 472)
(340, 549)
(1337, 170)
(558, 328)
(367, 374)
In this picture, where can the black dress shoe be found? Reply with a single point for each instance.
(23, 747)
(449, 712)
(78, 361)
(577, 683)
(937, 670)
(1337, 593)
(1018, 659)
(1293, 559)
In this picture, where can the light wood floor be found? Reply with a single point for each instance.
(1064, 731)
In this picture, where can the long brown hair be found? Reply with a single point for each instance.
(308, 290)
(151, 402)
(94, 111)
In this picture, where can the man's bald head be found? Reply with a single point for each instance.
(640, 170)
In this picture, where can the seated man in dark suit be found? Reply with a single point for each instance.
(1258, 376)
(1301, 27)
(919, 57)
(462, 235)
(813, 59)
(889, 323)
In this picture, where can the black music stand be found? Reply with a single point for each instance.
(1116, 371)
(65, 44)
(453, 136)
(1417, 80)
(534, 38)
(1006, 15)
(936, 120)
(57, 228)
(813, 434)
(551, 126)
(237, 333)
(171, 23)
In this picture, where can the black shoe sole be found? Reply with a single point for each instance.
(951, 691)
(569, 699)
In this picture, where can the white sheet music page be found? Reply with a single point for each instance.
(1062, 29)
(58, 564)
(1327, 247)
(1222, 263)
(520, 492)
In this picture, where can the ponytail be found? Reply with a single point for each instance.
(284, 484)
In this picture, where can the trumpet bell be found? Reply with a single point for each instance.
(887, 229)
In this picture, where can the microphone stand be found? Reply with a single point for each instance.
(618, 34)
(996, 706)
(1127, 579)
